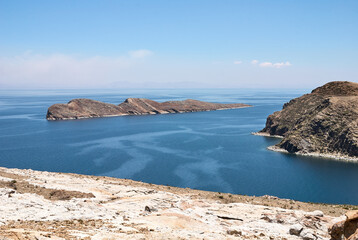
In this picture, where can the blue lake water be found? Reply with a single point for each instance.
(206, 150)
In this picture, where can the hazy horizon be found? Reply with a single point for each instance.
(177, 44)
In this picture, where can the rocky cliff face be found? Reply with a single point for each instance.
(322, 122)
(87, 108)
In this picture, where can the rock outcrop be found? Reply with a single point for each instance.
(108, 208)
(87, 108)
(346, 229)
(324, 122)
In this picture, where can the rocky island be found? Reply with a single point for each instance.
(322, 123)
(87, 108)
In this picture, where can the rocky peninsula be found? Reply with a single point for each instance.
(322, 123)
(87, 108)
(47, 205)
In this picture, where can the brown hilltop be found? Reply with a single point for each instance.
(322, 122)
(81, 108)
(87, 108)
(338, 88)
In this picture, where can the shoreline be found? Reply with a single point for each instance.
(231, 197)
(152, 113)
(331, 156)
(51, 205)
(263, 134)
(335, 157)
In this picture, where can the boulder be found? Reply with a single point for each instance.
(308, 235)
(347, 229)
(296, 229)
(352, 215)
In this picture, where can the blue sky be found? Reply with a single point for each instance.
(106, 44)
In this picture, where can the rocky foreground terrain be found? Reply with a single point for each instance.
(322, 123)
(87, 108)
(44, 205)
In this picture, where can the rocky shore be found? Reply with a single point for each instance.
(264, 134)
(323, 123)
(87, 108)
(336, 156)
(45, 205)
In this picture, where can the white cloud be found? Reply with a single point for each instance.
(254, 62)
(266, 64)
(142, 53)
(60, 70)
(282, 64)
(275, 65)
(237, 62)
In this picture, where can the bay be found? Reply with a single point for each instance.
(206, 150)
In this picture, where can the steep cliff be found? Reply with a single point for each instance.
(322, 122)
(87, 108)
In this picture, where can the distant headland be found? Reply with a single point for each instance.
(323, 123)
(87, 108)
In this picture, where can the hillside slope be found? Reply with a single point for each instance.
(323, 122)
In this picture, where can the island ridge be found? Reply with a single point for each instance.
(87, 108)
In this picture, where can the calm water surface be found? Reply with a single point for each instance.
(206, 150)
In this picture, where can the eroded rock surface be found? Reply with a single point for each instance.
(109, 208)
(87, 108)
(324, 122)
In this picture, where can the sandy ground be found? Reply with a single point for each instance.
(44, 205)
